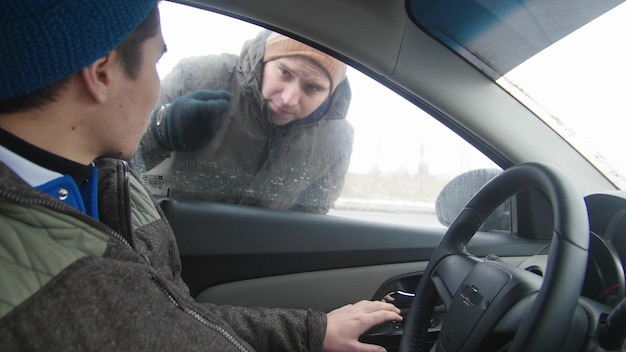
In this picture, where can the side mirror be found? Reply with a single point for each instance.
(460, 190)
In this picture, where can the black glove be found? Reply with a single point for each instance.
(189, 123)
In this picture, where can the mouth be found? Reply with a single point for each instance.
(280, 110)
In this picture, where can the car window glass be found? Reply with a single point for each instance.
(401, 158)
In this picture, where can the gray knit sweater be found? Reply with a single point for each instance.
(250, 161)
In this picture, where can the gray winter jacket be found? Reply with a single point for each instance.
(250, 161)
(70, 282)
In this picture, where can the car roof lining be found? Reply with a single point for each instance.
(372, 14)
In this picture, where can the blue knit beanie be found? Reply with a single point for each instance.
(45, 41)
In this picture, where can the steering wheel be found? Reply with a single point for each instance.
(483, 296)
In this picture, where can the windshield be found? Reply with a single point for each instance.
(576, 86)
(563, 59)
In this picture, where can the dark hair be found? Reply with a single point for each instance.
(130, 51)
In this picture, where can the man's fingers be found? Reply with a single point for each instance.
(372, 306)
(217, 106)
(363, 347)
(347, 323)
(205, 94)
(380, 316)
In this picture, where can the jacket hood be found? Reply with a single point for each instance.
(250, 66)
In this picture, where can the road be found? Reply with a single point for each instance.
(422, 215)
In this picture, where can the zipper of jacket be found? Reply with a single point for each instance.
(178, 302)
(164, 287)
(173, 297)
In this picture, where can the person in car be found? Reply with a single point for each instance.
(265, 128)
(88, 260)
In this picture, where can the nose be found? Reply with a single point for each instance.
(290, 94)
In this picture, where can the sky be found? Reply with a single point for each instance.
(588, 74)
(390, 132)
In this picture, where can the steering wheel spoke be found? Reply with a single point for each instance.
(486, 294)
(450, 274)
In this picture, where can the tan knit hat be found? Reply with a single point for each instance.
(278, 45)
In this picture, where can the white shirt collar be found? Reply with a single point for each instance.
(30, 172)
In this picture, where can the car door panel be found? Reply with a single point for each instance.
(321, 290)
(254, 256)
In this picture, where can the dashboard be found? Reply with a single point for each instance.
(604, 286)
(604, 281)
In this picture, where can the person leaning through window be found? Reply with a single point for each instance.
(88, 261)
(265, 128)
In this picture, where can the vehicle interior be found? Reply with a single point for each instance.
(527, 250)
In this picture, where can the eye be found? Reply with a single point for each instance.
(314, 88)
(284, 72)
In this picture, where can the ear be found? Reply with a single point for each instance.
(97, 77)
